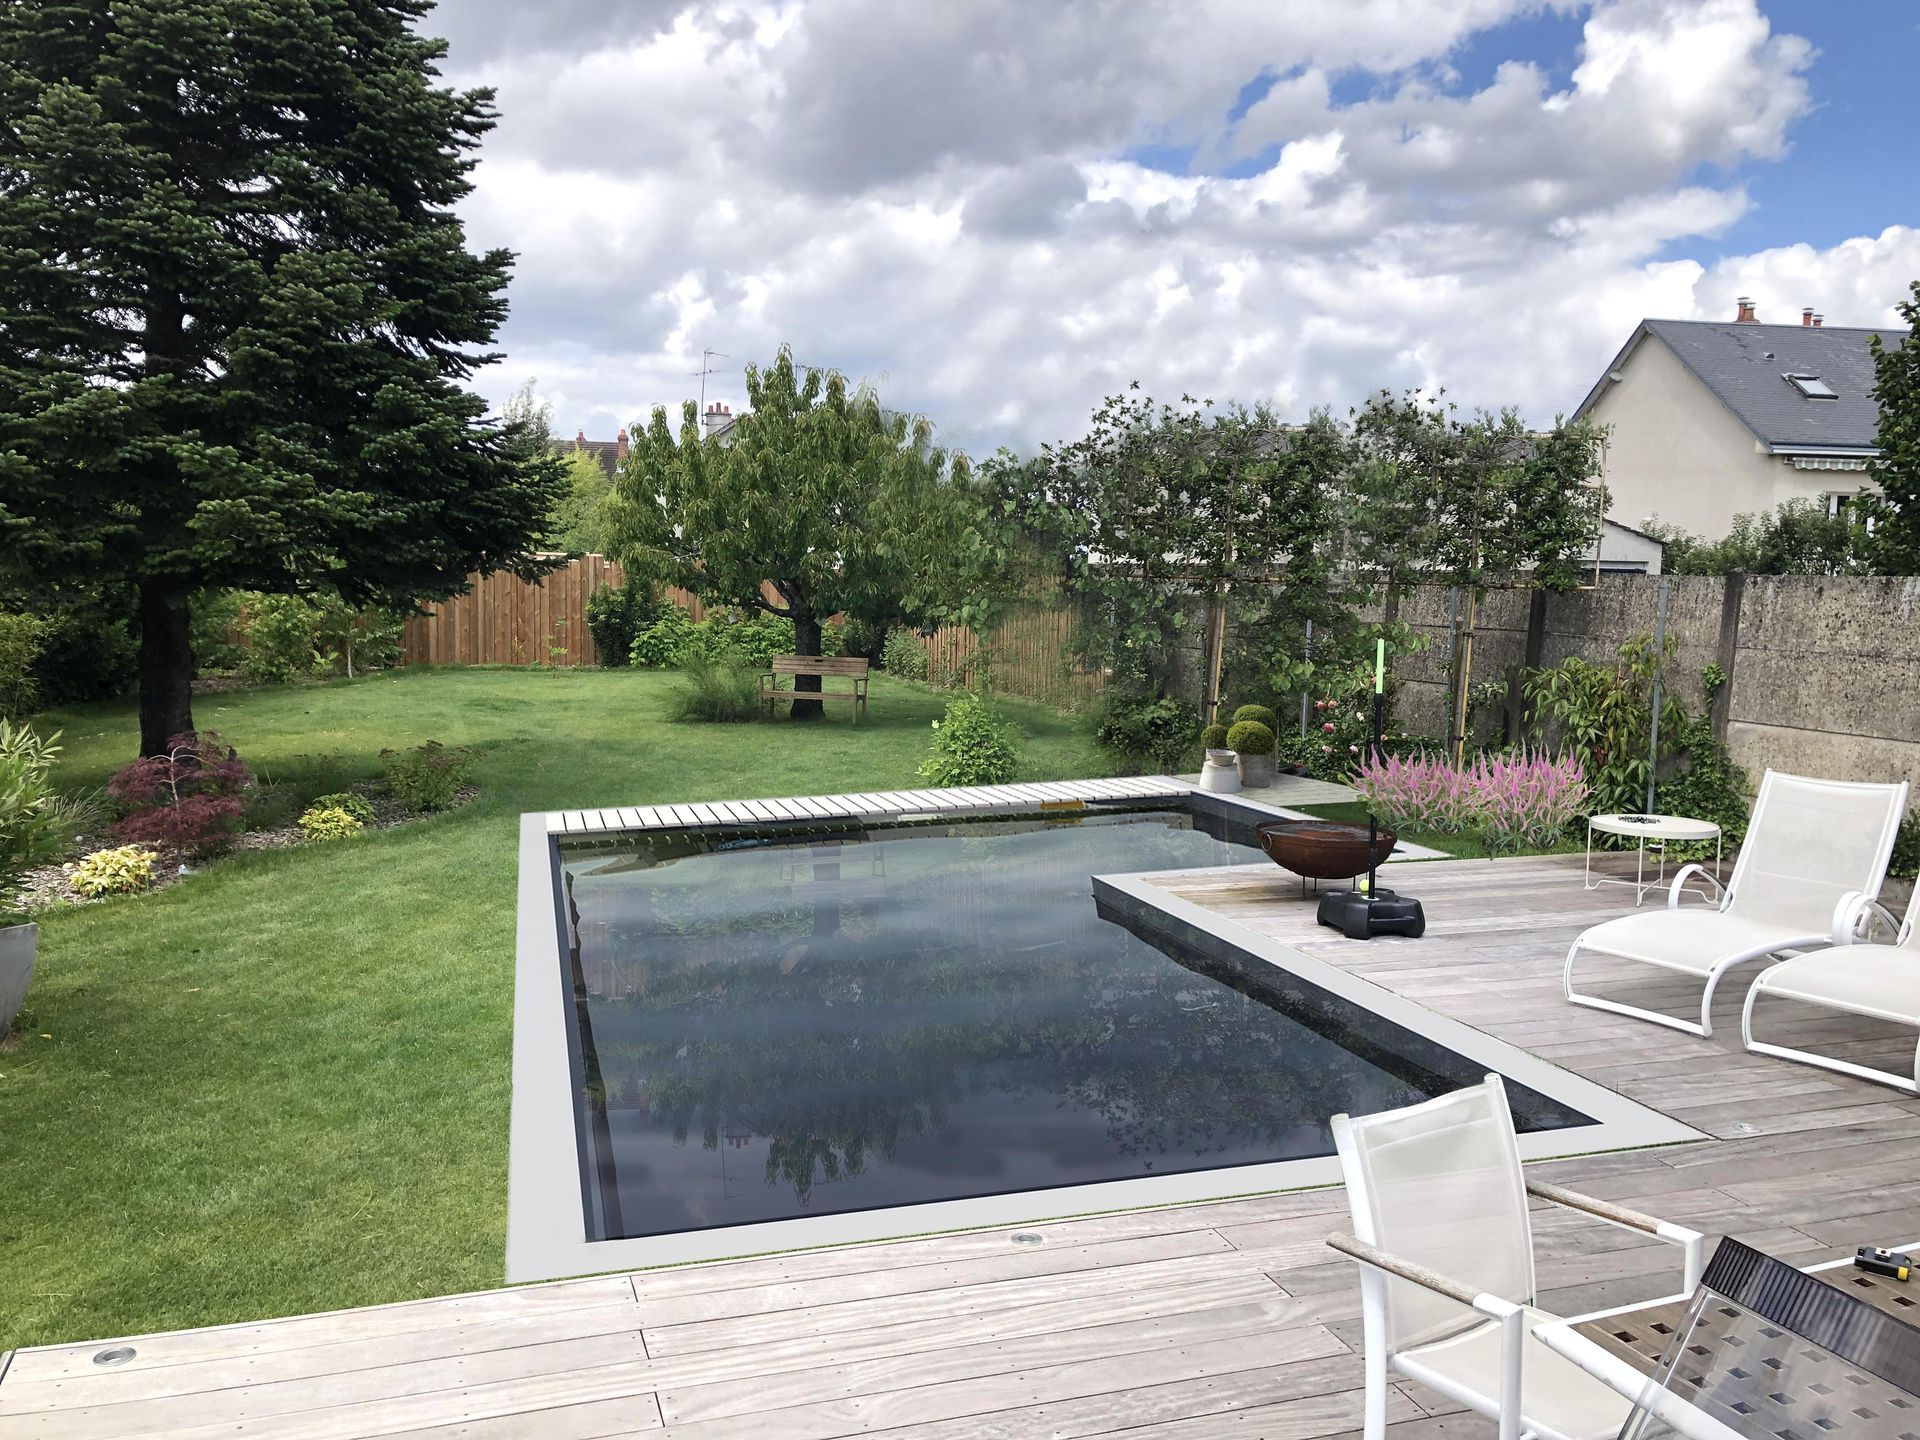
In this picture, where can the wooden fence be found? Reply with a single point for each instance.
(1027, 656)
(504, 620)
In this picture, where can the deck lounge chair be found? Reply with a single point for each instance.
(1808, 875)
(1445, 1245)
(1881, 981)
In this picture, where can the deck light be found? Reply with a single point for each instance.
(118, 1355)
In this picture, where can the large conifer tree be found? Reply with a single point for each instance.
(236, 310)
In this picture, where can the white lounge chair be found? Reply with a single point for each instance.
(1808, 875)
(1881, 981)
(1445, 1246)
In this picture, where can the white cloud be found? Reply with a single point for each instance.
(941, 198)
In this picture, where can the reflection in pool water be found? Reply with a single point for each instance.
(769, 1028)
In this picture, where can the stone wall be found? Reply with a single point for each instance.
(1823, 674)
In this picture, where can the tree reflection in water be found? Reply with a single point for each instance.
(934, 1012)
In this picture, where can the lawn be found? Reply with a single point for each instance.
(283, 1084)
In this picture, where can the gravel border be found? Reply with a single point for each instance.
(46, 888)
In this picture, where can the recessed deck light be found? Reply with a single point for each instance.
(1029, 1237)
(118, 1355)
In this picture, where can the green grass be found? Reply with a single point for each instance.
(1466, 846)
(283, 1085)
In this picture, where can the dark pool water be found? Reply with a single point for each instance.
(769, 1028)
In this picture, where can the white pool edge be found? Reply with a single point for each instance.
(546, 1197)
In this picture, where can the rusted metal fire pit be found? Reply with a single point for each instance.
(1322, 849)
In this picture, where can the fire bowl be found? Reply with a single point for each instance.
(1321, 849)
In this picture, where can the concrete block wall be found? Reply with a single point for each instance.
(1823, 674)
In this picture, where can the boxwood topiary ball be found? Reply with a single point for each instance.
(1250, 737)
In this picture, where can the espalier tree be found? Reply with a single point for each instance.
(817, 492)
(1896, 511)
(236, 312)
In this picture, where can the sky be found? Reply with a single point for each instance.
(998, 212)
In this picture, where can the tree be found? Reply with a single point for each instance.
(1157, 504)
(236, 309)
(816, 492)
(581, 523)
(1798, 537)
(1896, 512)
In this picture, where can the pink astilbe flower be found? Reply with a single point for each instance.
(1511, 800)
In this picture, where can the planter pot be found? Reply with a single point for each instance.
(1219, 773)
(1256, 771)
(17, 946)
(1321, 849)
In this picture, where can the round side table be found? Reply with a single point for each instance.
(1661, 830)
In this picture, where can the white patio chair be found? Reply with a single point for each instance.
(1445, 1246)
(1881, 981)
(1808, 875)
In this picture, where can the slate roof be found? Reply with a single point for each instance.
(1744, 365)
(607, 452)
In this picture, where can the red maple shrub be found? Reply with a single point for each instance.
(188, 799)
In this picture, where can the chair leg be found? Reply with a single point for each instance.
(1618, 1007)
(1374, 1425)
(1823, 1062)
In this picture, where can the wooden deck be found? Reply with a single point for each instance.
(1229, 1319)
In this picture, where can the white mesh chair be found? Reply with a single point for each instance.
(1445, 1247)
(1881, 981)
(1808, 875)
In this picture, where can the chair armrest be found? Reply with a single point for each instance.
(1692, 1242)
(1407, 1270)
(1853, 919)
(1681, 877)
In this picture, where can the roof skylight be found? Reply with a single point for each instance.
(1813, 387)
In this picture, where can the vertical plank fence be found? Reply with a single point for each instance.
(503, 620)
(1028, 656)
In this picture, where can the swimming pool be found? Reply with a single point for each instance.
(846, 1027)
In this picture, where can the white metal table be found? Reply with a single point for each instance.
(1662, 831)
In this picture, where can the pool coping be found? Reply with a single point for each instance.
(547, 1200)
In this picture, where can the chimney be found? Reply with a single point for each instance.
(1806, 316)
(716, 419)
(1819, 320)
(620, 447)
(1745, 316)
(580, 440)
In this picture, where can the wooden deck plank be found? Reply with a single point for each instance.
(1223, 1319)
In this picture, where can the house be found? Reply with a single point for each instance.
(610, 453)
(1710, 420)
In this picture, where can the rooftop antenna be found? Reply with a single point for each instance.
(707, 357)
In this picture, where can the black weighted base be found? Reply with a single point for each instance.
(1360, 916)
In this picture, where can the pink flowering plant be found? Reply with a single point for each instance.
(1511, 801)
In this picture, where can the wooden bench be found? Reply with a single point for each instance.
(849, 667)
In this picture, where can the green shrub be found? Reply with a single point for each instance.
(1149, 734)
(349, 641)
(330, 822)
(616, 614)
(833, 638)
(666, 642)
(215, 626)
(715, 689)
(29, 823)
(21, 637)
(355, 805)
(1214, 737)
(1258, 713)
(971, 746)
(119, 871)
(79, 815)
(1250, 737)
(903, 655)
(426, 777)
(278, 635)
(1706, 786)
(1905, 864)
(755, 638)
(85, 654)
(862, 638)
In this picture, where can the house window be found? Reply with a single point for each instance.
(1812, 386)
